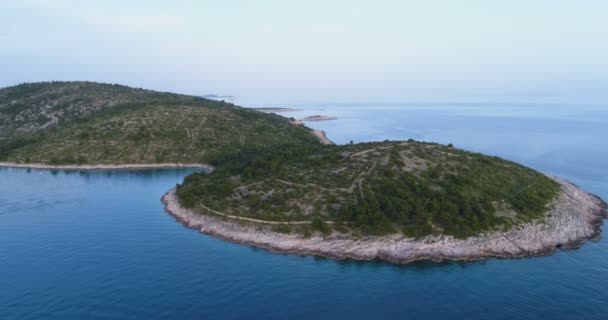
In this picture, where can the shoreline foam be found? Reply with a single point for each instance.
(574, 217)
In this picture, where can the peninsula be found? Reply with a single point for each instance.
(269, 182)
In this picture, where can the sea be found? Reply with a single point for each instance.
(99, 245)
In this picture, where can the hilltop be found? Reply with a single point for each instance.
(407, 187)
(63, 123)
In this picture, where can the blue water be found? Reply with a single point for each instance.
(98, 245)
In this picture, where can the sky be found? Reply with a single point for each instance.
(280, 52)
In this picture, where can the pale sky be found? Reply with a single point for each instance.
(268, 52)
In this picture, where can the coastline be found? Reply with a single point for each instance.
(322, 137)
(126, 166)
(574, 217)
(320, 134)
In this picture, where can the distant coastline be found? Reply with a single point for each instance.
(318, 118)
(320, 134)
(271, 110)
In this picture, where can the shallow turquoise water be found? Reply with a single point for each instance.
(77, 245)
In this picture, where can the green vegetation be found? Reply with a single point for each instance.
(269, 169)
(376, 188)
(82, 122)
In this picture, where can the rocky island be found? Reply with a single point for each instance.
(318, 118)
(276, 110)
(400, 201)
(271, 183)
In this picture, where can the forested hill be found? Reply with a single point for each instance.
(407, 187)
(31, 107)
(93, 123)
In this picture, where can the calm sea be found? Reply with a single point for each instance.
(98, 245)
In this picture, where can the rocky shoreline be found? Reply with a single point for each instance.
(126, 166)
(574, 217)
(322, 137)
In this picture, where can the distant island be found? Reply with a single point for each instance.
(293, 120)
(268, 181)
(214, 96)
(318, 118)
(276, 110)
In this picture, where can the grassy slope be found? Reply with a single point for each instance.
(82, 122)
(410, 187)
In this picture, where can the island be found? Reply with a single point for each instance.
(276, 110)
(318, 118)
(267, 182)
